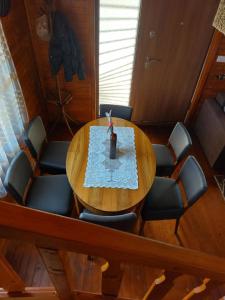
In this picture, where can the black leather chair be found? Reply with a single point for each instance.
(47, 193)
(124, 222)
(118, 111)
(167, 156)
(51, 156)
(164, 201)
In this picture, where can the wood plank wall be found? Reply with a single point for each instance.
(17, 33)
(81, 15)
(213, 85)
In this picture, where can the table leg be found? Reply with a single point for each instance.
(78, 207)
(139, 223)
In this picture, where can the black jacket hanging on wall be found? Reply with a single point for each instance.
(64, 49)
(4, 7)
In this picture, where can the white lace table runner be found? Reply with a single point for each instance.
(101, 171)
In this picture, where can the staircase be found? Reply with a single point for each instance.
(113, 252)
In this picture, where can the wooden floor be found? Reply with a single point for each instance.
(201, 228)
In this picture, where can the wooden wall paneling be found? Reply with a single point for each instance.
(17, 33)
(40, 46)
(81, 15)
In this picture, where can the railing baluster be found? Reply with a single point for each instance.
(161, 286)
(197, 290)
(157, 281)
(111, 278)
(57, 273)
(203, 290)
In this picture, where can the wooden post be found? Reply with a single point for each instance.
(9, 279)
(111, 278)
(57, 272)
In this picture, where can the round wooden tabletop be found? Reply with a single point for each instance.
(109, 200)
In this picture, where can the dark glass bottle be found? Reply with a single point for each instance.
(113, 140)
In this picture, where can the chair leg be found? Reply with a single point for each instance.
(177, 224)
(141, 230)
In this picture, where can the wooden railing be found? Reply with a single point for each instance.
(54, 236)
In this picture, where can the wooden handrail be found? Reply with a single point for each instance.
(57, 232)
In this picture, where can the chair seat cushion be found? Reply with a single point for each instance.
(164, 160)
(118, 111)
(51, 194)
(53, 158)
(124, 222)
(164, 201)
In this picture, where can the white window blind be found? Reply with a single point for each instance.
(13, 112)
(117, 38)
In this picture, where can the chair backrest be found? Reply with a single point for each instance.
(118, 111)
(35, 136)
(180, 140)
(193, 180)
(18, 175)
(123, 222)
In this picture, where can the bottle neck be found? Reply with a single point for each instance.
(113, 135)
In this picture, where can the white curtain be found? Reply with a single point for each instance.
(13, 112)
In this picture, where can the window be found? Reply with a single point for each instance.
(117, 39)
(13, 113)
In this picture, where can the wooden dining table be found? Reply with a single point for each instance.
(102, 200)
